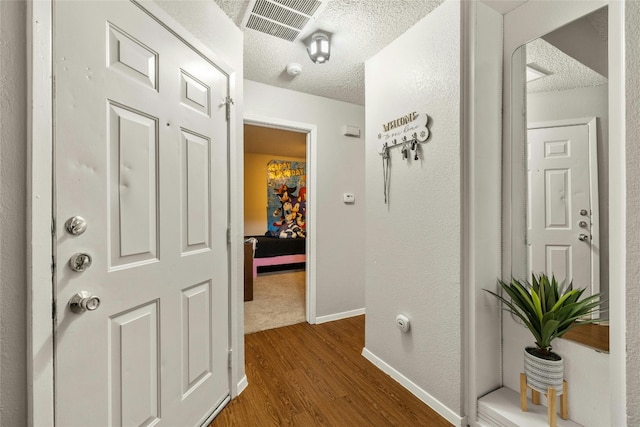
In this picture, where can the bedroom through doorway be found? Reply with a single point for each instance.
(275, 224)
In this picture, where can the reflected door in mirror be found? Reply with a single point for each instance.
(559, 229)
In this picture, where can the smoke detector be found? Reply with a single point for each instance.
(285, 19)
(293, 69)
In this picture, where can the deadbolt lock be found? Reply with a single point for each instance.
(76, 225)
(80, 261)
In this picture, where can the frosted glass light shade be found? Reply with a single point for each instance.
(319, 48)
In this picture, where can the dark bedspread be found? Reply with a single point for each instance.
(273, 246)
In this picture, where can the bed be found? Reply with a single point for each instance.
(274, 251)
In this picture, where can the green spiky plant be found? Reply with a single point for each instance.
(548, 309)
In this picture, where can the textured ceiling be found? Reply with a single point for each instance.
(565, 72)
(361, 28)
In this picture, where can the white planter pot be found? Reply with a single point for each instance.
(543, 373)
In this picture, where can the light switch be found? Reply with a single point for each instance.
(349, 198)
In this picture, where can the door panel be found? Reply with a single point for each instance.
(195, 200)
(194, 93)
(134, 370)
(133, 186)
(131, 57)
(141, 153)
(559, 260)
(555, 201)
(197, 362)
(559, 195)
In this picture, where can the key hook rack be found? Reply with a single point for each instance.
(407, 144)
(406, 131)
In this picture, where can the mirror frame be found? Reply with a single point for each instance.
(549, 17)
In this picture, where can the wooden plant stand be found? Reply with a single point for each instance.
(551, 400)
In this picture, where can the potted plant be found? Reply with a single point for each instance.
(548, 310)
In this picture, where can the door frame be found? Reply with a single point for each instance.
(311, 131)
(40, 213)
(591, 123)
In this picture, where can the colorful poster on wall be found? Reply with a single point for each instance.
(286, 199)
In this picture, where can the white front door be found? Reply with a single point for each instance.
(560, 209)
(141, 154)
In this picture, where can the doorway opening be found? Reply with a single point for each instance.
(278, 221)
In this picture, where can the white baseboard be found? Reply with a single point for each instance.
(421, 394)
(338, 316)
(242, 384)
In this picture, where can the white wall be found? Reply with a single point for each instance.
(632, 36)
(574, 104)
(413, 246)
(340, 168)
(13, 155)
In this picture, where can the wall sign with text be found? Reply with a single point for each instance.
(406, 129)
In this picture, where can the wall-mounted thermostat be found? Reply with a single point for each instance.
(349, 198)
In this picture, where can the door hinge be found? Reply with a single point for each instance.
(229, 358)
(228, 101)
(53, 264)
(228, 236)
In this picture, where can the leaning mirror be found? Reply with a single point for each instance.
(559, 160)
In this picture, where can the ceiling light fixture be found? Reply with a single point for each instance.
(319, 48)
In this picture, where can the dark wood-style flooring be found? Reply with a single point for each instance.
(315, 375)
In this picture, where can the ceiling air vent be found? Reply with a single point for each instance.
(285, 19)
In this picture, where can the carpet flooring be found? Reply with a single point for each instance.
(278, 300)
